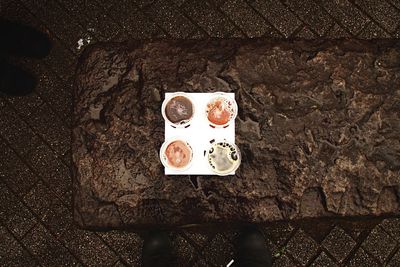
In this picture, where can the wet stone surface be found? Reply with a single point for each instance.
(339, 244)
(379, 244)
(323, 261)
(318, 129)
(302, 247)
(361, 258)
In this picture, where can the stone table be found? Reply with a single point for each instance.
(318, 127)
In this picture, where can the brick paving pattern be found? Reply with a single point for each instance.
(35, 187)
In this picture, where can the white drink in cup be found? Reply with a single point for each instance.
(223, 157)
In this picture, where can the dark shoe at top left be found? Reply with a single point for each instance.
(22, 40)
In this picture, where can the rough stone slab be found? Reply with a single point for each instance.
(318, 129)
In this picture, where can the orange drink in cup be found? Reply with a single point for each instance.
(221, 110)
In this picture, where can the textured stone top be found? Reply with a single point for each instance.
(318, 127)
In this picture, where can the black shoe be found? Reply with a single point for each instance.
(157, 250)
(21, 40)
(251, 249)
(15, 81)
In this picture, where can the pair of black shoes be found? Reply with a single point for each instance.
(251, 250)
(23, 41)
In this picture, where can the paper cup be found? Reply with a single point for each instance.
(178, 110)
(223, 157)
(176, 154)
(221, 110)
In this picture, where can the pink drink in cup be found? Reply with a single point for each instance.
(176, 154)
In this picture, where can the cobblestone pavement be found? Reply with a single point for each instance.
(35, 186)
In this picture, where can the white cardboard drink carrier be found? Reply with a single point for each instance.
(199, 134)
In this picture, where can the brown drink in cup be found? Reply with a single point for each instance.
(178, 110)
